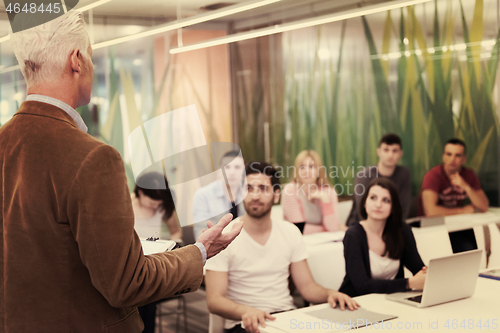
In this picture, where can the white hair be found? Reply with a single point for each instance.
(43, 51)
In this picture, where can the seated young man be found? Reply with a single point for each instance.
(446, 186)
(212, 202)
(389, 151)
(248, 281)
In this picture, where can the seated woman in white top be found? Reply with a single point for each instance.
(377, 249)
(153, 205)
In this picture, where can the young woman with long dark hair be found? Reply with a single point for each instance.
(377, 249)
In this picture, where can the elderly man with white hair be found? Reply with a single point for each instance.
(70, 259)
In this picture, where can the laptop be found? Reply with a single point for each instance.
(448, 279)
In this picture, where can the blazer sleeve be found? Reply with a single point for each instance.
(411, 258)
(355, 248)
(102, 222)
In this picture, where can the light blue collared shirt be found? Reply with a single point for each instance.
(61, 105)
(211, 203)
(203, 252)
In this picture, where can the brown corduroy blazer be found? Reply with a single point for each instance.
(70, 259)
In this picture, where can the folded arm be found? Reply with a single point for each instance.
(431, 208)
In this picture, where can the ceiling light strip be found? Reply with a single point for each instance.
(357, 12)
(9, 69)
(213, 15)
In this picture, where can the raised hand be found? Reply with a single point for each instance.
(214, 240)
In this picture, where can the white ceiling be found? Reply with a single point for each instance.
(123, 17)
(168, 9)
(152, 12)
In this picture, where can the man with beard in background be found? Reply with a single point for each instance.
(248, 281)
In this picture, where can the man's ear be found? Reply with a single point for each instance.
(74, 60)
(378, 151)
(276, 198)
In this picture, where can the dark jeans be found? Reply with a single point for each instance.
(148, 315)
(235, 329)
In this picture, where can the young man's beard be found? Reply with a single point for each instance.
(267, 208)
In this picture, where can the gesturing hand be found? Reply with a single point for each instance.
(213, 239)
(253, 317)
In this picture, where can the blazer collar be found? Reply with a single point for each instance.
(41, 109)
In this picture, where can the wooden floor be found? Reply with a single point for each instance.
(197, 314)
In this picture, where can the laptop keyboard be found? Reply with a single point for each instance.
(417, 299)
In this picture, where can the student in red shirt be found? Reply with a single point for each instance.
(446, 186)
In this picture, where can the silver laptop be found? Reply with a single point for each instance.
(448, 279)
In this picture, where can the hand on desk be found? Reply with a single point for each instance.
(417, 281)
(342, 299)
(213, 239)
(252, 318)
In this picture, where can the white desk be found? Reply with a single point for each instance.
(467, 221)
(482, 306)
(479, 222)
(323, 237)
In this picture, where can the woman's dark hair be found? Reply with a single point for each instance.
(155, 186)
(393, 231)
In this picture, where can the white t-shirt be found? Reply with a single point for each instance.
(258, 274)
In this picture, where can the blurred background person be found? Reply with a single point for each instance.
(218, 198)
(389, 152)
(451, 188)
(377, 249)
(153, 206)
(310, 201)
